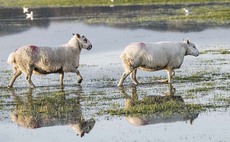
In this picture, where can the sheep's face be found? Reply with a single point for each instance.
(86, 44)
(83, 127)
(191, 50)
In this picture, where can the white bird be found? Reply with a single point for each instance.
(25, 10)
(186, 11)
(30, 15)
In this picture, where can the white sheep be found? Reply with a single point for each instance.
(45, 60)
(155, 56)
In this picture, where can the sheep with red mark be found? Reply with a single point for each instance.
(155, 56)
(45, 60)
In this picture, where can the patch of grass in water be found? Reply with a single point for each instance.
(215, 106)
(54, 105)
(216, 51)
(156, 105)
(196, 77)
(224, 51)
(104, 79)
(200, 89)
(166, 108)
(225, 100)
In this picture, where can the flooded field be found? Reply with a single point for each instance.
(94, 110)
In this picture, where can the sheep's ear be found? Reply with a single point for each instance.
(82, 134)
(78, 35)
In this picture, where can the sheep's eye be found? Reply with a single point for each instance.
(84, 39)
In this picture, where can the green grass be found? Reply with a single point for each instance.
(225, 100)
(164, 106)
(216, 51)
(171, 18)
(224, 51)
(204, 14)
(51, 3)
(195, 77)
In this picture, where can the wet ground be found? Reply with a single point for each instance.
(50, 113)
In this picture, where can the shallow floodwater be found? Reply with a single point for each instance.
(50, 113)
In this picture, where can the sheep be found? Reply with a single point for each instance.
(155, 56)
(32, 59)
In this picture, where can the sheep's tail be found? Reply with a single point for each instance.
(122, 56)
(127, 61)
(11, 58)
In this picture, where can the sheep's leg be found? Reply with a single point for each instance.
(15, 75)
(169, 72)
(28, 73)
(133, 77)
(79, 77)
(123, 77)
(171, 75)
(29, 81)
(128, 69)
(61, 78)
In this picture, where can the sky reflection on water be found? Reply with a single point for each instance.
(212, 129)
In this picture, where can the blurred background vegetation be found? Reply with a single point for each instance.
(56, 3)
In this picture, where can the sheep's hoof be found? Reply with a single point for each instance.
(136, 83)
(119, 85)
(9, 86)
(32, 86)
(163, 81)
(80, 80)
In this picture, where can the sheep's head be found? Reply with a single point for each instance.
(191, 48)
(85, 126)
(84, 42)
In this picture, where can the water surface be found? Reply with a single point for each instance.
(101, 69)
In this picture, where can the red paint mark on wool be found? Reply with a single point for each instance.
(33, 48)
(142, 44)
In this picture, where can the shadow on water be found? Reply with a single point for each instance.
(57, 108)
(150, 17)
(177, 109)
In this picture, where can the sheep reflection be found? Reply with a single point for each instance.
(159, 117)
(50, 109)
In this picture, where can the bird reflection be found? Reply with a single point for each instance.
(159, 117)
(50, 109)
(30, 16)
(25, 9)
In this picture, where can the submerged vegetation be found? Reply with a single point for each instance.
(158, 105)
(105, 99)
(216, 51)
